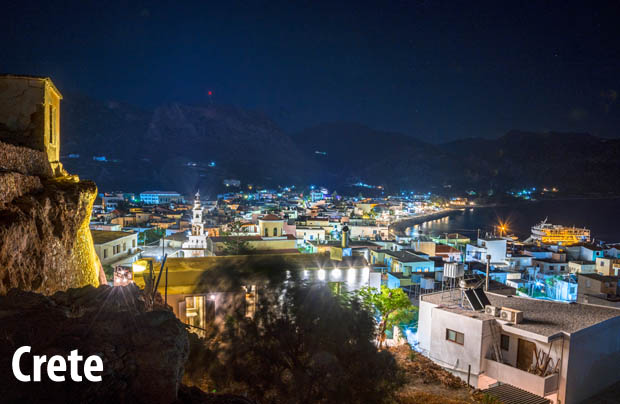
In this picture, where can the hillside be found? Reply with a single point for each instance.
(183, 147)
(174, 146)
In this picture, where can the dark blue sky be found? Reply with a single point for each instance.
(436, 70)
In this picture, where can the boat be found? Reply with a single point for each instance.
(547, 233)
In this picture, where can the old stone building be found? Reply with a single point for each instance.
(30, 115)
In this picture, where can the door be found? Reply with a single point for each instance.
(525, 354)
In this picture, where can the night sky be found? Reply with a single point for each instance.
(435, 70)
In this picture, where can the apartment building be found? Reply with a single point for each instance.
(565, 352)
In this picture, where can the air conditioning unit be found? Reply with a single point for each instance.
(511, 315)
(492, 310)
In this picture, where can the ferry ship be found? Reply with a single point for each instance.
(548, 233)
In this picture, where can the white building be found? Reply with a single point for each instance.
(159, 197)
(580, 340)
(310, 233)
(115, 247)
(196, 246)
(495, 247)
(368, 232)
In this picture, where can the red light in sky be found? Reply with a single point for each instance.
(210, 92)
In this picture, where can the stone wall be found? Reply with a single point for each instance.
(45, 242)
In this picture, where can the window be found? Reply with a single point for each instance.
(505, 342)
(51, 123)
(133, 243)
(275, 231)
(266, 232)
(455, 336)
(562, 267)
(124, 246)
(105, 253)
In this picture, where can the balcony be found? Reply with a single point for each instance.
(538, 385)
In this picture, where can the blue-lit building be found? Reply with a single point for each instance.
(159, 197)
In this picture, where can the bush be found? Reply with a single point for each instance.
(303, 345)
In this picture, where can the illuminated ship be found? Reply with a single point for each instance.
(548, 233)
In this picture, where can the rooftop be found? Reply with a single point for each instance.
(103, 236)
(601, 278)
(29, 77)
(159, 193)
(271, 218)
(201, 274)
(405, 256)
(221, 239)
(445, 249)
(542, 317)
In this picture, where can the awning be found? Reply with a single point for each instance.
(509, 394)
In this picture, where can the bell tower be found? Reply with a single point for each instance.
(196, 246)
(197, 223)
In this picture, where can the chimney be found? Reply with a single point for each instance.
(345, 236)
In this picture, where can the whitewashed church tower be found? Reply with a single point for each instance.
(197, 244)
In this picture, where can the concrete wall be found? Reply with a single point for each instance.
(455, 357)
(425, 317)
(593, 361)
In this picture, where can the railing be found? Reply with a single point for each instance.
(540, 385)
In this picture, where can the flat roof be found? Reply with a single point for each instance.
(227, 273)
(103, 236)
(602, 278)
(31, 77)
(405, 256)
(159, 193)
(542, 317)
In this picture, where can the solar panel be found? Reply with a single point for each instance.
(482, 297)
(473, 300)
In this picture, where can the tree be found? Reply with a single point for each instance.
(303, 345)
(123, 207)
(235, 243)
(393, 305)
(151, 235)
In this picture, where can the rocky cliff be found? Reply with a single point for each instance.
(45, 242)
(143, 351)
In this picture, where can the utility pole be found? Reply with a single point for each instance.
(163, 244)
(486, 280)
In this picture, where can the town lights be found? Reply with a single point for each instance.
(138, 266)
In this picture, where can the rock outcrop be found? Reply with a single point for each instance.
(45, 242)
(143, 352)
(143, 348)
